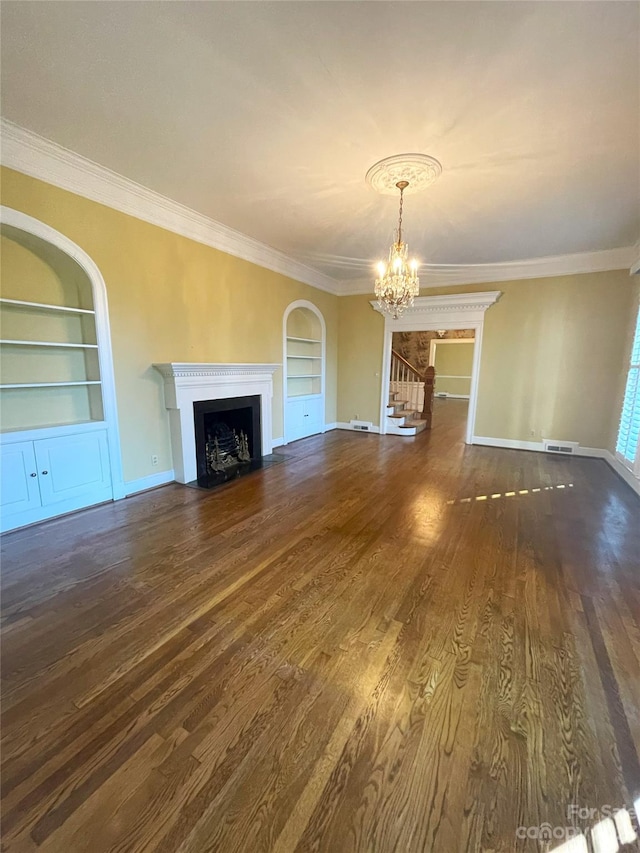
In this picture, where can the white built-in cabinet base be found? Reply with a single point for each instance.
(304, 416)
(60, 472)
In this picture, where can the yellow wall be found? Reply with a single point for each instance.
(172, 299)
(553, 358)
(453, 360)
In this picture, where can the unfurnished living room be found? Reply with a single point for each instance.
(319, 429)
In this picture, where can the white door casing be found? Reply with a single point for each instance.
(430, 313)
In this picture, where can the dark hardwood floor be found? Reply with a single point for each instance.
(382, 644)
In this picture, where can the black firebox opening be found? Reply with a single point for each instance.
(228, 438)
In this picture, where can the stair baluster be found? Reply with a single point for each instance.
(410, 396)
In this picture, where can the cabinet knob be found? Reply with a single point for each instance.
(45, 472)
(34, 474)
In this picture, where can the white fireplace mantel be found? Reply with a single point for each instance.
(187, 383)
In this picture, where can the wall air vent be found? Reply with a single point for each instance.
(566, 447)
(441, 394)
(361, 426)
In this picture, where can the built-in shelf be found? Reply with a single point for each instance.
(48, 344)
(46, 306)
(312, 357)
(305, 340)
(48, 384)
(305, 376)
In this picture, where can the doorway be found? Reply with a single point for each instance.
(436, 313)
(450, 353)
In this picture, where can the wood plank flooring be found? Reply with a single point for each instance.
(382, 644)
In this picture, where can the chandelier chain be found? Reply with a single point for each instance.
(400, 216)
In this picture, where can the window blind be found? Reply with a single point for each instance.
(629, 430)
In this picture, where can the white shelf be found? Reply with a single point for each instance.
(305, 340)
(312, 357)
(49, 384)
(305, 376)
(48, 344)
(52, 430)
(306, 396)
(46, 306)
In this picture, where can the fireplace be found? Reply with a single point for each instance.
(187, 383)
(228, 438)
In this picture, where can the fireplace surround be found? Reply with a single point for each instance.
(188, 383)
(227, 438)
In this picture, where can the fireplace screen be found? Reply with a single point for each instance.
(228, 440)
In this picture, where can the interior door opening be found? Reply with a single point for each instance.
(450, 352)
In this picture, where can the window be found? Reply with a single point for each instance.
(629, 430)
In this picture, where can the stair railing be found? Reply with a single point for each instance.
(407, 381)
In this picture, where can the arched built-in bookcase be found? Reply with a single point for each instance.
(304, 363)
(59, 430)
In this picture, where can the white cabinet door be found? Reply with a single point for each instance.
(304, 417)
(314, 415)
(72, 466)
(18, 478)
(295, 419)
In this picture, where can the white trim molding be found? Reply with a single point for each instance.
(185, 383)
(430, 313)
(40, 158)
(445, 275)
(143, 484)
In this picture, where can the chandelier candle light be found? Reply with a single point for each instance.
(397, 283)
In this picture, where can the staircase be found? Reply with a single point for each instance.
(410, 397)
(402, 420)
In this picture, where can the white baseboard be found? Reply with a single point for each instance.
(329, 427)
(507, 443)
(451, 396)
(150, 482)
(538, 447)
(344, 425)
(277, 442)
(621, 471)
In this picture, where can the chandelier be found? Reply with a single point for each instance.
(397, 283)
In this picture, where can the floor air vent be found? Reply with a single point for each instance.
(566, 447)
(362, 426)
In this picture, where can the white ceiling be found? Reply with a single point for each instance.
(265, 116)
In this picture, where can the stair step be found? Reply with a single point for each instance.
(418, 425)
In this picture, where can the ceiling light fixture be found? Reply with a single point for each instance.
(397, 283)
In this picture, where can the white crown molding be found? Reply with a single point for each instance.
(40, 158)
(443, 275)
(33, 155)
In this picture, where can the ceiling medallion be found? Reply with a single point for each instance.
(419, 170)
